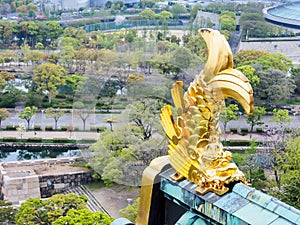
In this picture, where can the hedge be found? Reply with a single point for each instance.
(244, 130)
(37, 128)
(233, 130)
(98, 129)
(87, 141)
(9, 127)
(35, 139)
(9, 139)
(63, 140)
(259, 130)
(48, 128)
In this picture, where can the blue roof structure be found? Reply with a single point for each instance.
(243, 205)
(286, 14)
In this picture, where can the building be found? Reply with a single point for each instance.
(53, 5)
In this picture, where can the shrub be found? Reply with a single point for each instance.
(239, 143)
(38, 128)
(233, 130)
(9, 127)
(259, 130)
(244, 130)
(9, 139)
(63, 140)
(48, 128)
(35, 139)
(61, 96)
(87, 140)
(98, 129)
(64, 128)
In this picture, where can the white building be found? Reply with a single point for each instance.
(66, 4)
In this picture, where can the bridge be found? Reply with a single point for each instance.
(112, 25)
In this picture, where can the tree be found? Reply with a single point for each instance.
(165, 15)
(254, 119)
(266, 59)
(289, 169)
(7, 212)
(27, 114)
(147, 14)
(83, 216)
(228, 114)
(178, 9)
(4, 113)
(194, 11)
(54, 114)
(35, 57)
(249, 162)
(82, 111)
(4, 77)
(48, 77)
(274, 85)
(131, 210)
(281, 116)
(21, 129)
(249, 72)
(38, 211)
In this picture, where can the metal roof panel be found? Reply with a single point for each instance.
(231, 202)
(281, 221)
(254, 214)
(259, 198)
(242, 189)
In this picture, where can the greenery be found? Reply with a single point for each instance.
(131, 210)
(59, 209)
(7, 212)
(27, 114)
(228, 114)
(255, 118)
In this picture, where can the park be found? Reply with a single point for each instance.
(97, 80)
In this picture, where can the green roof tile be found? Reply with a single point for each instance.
(256, 215)
(242, 189)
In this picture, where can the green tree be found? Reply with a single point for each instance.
(83, 216)
(282, 118)
(7, 212)
(27, 114)
(228, 114)
(289, 169)
(194, 11)
(165, 15)
(274, 85)
(178, 9)
(38, 211)
(55, 114)
(147, 14)
(249, 72)
(35, 57)
(248, 162)
(4, 114)
(83, 111)
(48, 77)
(255, 118)
(131, 210)
(4, 77)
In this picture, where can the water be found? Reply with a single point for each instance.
(8, 155)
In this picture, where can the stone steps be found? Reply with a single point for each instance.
(93, 204)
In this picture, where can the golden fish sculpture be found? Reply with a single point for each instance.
(195, 149)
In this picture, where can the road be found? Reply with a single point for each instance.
(98, 120)
(67, 119)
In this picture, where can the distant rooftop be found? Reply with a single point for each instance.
(288, 14)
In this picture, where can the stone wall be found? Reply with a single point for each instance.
(19, 186)
(40, 178)
(55, 184)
